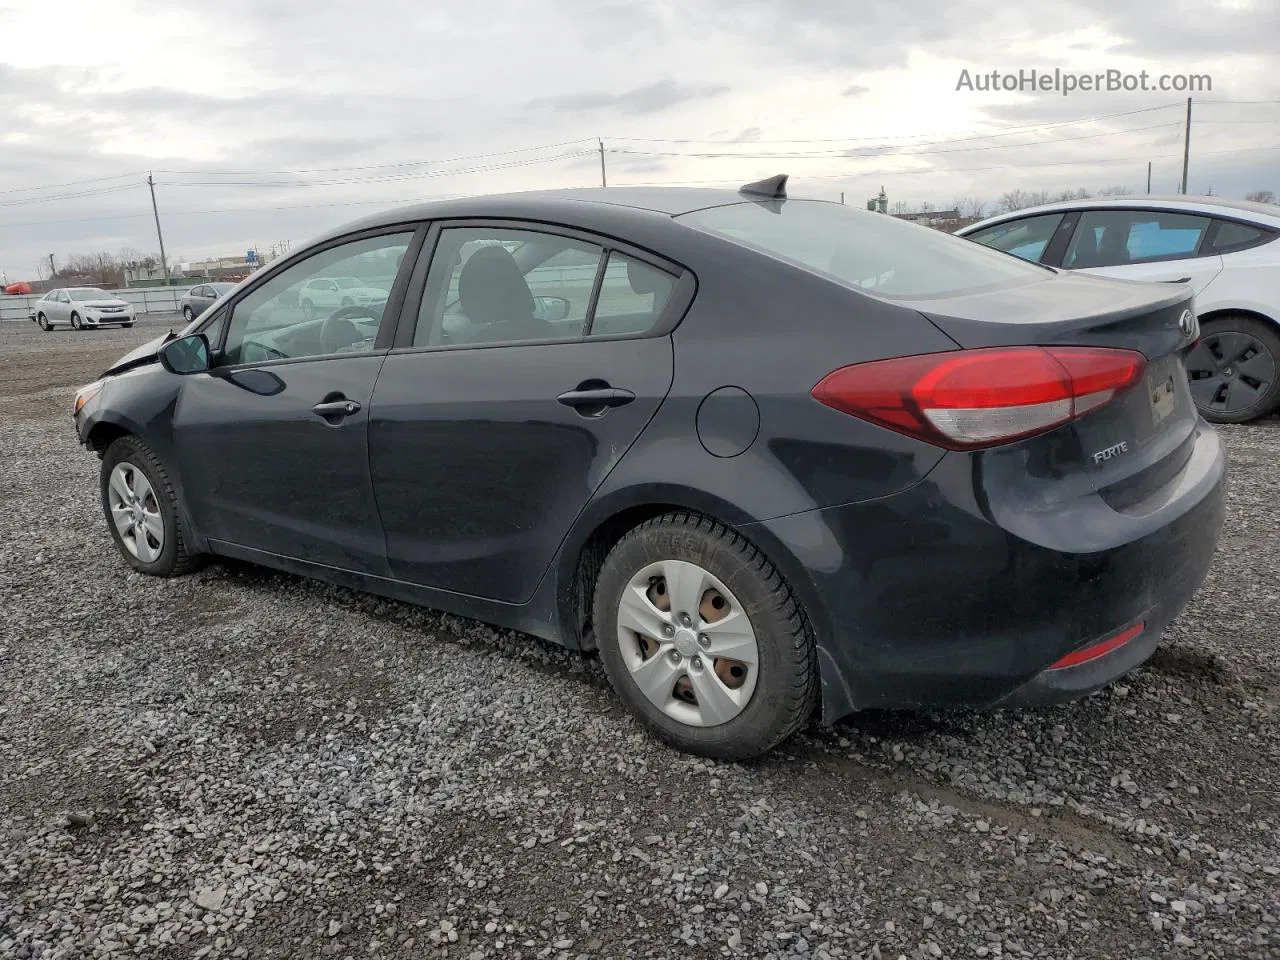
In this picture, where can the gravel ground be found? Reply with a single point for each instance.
(247, 764)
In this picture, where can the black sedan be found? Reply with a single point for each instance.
(767, 456)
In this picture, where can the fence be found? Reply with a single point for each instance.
(144, 300)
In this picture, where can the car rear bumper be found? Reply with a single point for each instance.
(935, 597)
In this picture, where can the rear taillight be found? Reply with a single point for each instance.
(969, 399)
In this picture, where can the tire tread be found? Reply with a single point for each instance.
(802, 697)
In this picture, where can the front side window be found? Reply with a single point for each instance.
(1109, 238)
(500, 285)
(875, 252)
(1025, 238)
(283, 319)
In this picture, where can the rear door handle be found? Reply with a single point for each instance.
(596, 397)
(336, 408)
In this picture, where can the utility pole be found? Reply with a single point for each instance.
(1148, 176)
(53, 271)
(603, 182)
(1186, 147)
(164, 262)
(842, 198)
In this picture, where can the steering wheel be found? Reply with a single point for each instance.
(339, 330)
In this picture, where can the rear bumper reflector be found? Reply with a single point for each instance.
(1099, 649)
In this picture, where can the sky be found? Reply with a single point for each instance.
(269, 122)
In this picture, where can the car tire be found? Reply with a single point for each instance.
(75, 322)
(169, 555)
(308, 310)
(43, 322)
(348, 302)
(1234, 369)
(188, 315)
(724, 571)
(126, 325)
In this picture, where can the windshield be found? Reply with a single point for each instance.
(88, 293)
(876, 252)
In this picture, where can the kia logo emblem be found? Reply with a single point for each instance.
(1187, 323)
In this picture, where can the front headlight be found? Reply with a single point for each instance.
(85, 394)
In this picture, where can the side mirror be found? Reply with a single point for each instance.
(550, 309)
(185, 355)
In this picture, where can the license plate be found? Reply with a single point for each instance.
(1162, 398)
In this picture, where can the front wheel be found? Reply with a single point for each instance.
(702, 638)
(308, 310)
(1234, 370)
(187, 314)
(75, 322)
(43, 321)
(141, 508)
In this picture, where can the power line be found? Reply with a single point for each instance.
(907, 136)
(821, 154)
(71, 183)
(886, 171)
(102, 192)
(389, 178)
(379, 166)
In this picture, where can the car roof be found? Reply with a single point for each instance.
(587, 207)
(1266, 214)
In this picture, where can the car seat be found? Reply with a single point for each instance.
(496, 299)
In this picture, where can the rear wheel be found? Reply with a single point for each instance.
(702, 638)
(75, 322)
(308, 310)
(141, 508)
(43, 321)
(1234, 370)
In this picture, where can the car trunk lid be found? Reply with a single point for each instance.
(1132, 447)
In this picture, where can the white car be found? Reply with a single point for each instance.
(1227, 252)
(331, 293)
(82, 308)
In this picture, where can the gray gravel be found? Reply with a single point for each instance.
(246, 764)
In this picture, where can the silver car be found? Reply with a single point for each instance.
(201, 298)
(82, 308)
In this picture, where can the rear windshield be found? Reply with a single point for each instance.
(876, 252)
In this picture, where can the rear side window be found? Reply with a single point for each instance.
(632, 295)
(1110, 238)
(1025, 238)
(1237, 236)
(874, 252)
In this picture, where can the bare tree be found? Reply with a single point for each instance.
(1081, 194)
(1261, 196)
(1114, 191)
(1013, 200)
(971, 207)
(1037, 197)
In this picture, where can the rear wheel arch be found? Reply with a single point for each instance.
(584, 555)
(1222, 313)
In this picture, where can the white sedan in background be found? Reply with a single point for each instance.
(331, 293)
(1227, 252)
(81, 308)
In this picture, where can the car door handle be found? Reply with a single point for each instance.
(336, 408)
(1179, 280)
(596, 397)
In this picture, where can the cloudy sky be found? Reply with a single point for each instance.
(271, 120)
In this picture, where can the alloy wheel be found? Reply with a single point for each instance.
(1229, 371)
(136, 512)
(688, 643)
